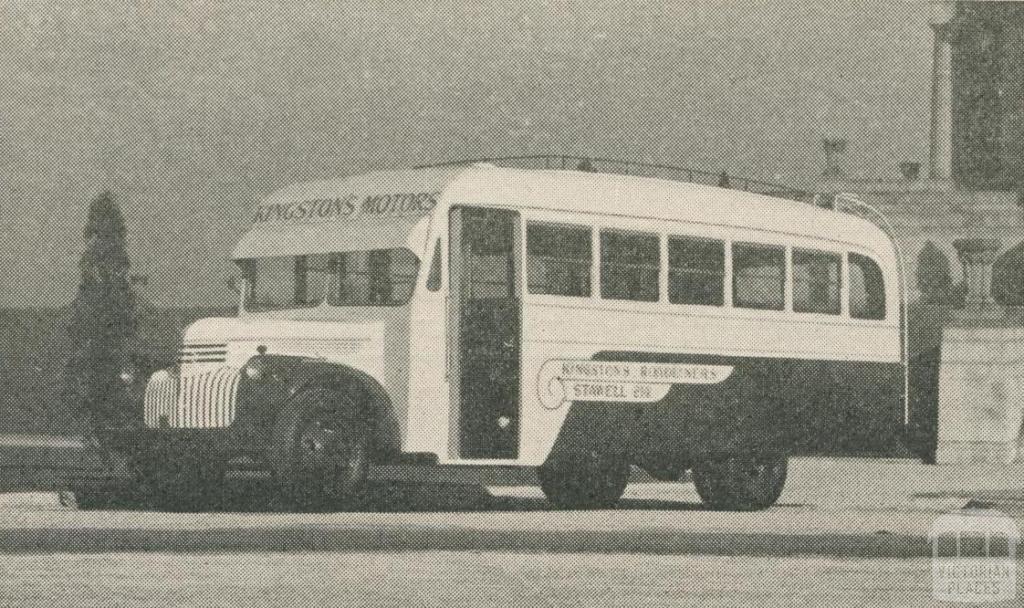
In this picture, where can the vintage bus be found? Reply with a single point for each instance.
(567, 323)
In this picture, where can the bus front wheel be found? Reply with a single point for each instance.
(741, 483)
(593, 481)
(321, 454)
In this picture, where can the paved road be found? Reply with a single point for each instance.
(457, 579)
(851, 508)
(845, 533)
(652, 519)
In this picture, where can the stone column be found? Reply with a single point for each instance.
(941, 148)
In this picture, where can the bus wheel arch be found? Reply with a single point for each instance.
(365, 401)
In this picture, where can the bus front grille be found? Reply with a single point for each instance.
(202, 353)
(160, 399)
(203, 399)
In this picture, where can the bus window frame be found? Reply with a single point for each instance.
(597, 222)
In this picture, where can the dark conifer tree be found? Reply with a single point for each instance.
(103, 320)
(933, 275)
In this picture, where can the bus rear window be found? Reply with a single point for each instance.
(867, 288)
(381, 277)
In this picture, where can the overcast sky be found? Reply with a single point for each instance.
(191, 111)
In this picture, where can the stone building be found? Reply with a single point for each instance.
(974, 180)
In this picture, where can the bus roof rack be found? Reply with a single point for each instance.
(627, 167)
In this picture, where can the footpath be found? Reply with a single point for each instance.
(835, 507)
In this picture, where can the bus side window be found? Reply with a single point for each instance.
(816, 283)
(434, 277)
(630, 263)
(758, 276)
(867, 288)
(696, 271)
(558, 260)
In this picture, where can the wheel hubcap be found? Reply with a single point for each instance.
(320, 445)
(757, 471)
(329, 458)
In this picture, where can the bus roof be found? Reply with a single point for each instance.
(387, 207)
(659, 199)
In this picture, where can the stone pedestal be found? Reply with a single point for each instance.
(981, 395)
(981, 374)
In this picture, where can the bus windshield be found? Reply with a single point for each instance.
(378, 277)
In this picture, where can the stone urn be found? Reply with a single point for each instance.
(977, 256)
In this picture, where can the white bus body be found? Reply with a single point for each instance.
(545, 313)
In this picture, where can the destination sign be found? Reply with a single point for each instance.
(561, 381)
(347, 207)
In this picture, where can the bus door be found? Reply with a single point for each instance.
(485, 315)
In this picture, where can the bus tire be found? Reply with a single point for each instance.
(591, 482)
(320, 451)
(181, 482)
(740, 483)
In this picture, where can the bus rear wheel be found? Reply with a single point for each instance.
(594, 481)
(741, 483)
(321, 455)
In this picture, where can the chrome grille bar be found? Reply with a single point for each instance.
(195, 399)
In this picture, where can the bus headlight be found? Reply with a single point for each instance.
(255, 369)
(127, 376)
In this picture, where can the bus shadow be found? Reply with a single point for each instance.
(257, 496)
(412, 498)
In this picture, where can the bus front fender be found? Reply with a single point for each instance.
(271, 382)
